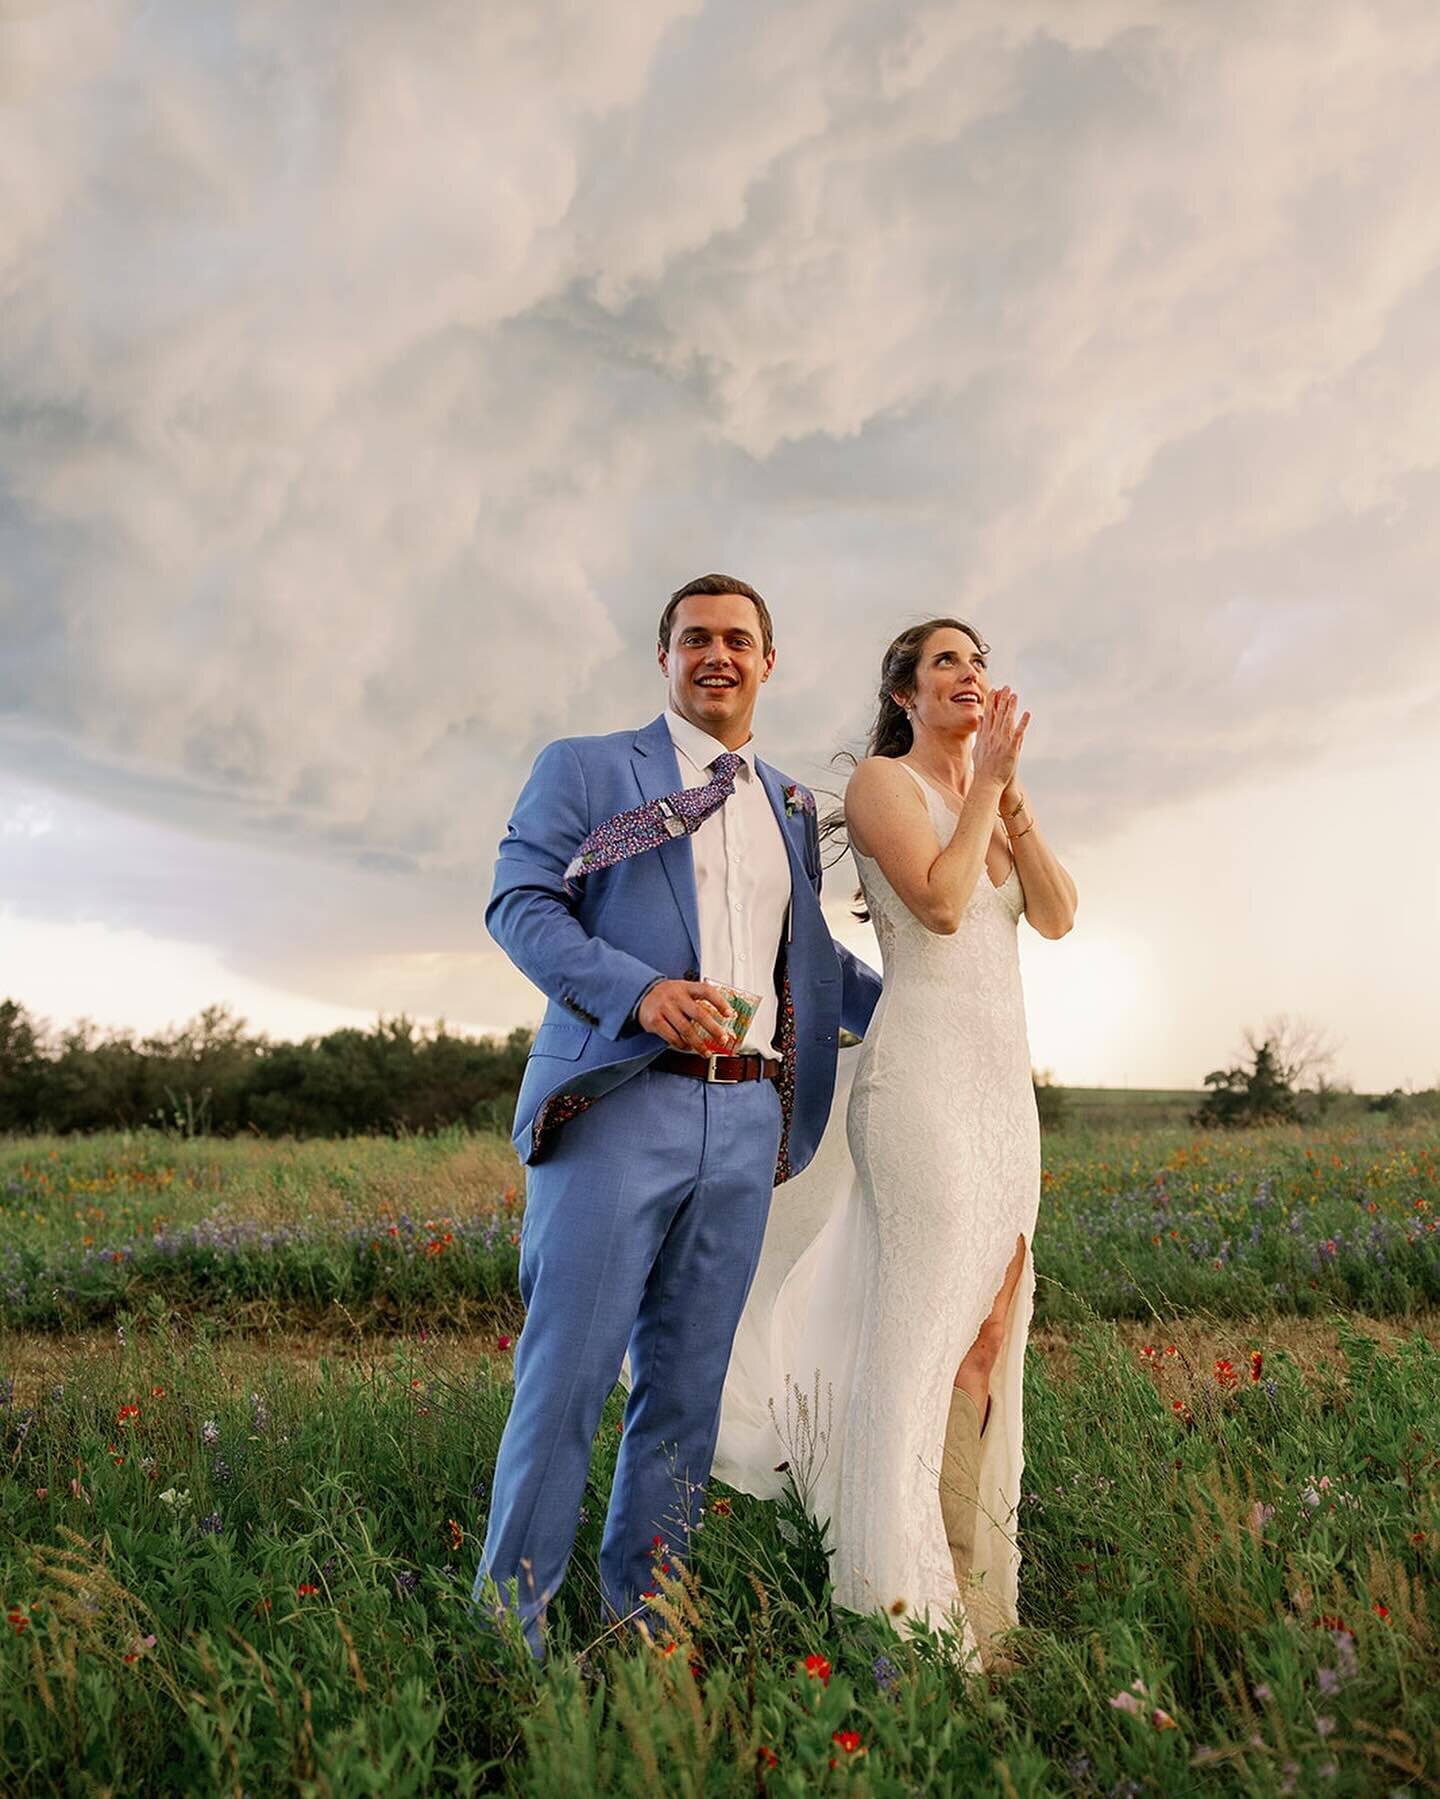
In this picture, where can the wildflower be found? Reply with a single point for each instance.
(1382, 1612)
(407, 1580)
(503, 1343)
(1262, 1693)
(210, 1524)
(209, 1433)
(17, 1620)
(1324, 1725)
(767, 1757)
(1328, 1681)
(262, 1607)
(817, 1668)
(1257, 1363)
(1170, 1348)
(220, 1470)
(306, 1588)
(138, 1647)
(259, 1413)
(1127, 1702)
(887, 1675)
(127, 1414)
(722, 1508)
(1162, 1720)
(157, 1392)
(849, 1741)
(176, 1497)
(457, 1536)
(1148, 1353)
(44, 1493)
(1225, 1372)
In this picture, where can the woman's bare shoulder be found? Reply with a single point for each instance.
(880, 774)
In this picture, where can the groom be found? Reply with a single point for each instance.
(638, 868)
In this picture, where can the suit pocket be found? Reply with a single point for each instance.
(563, 1041)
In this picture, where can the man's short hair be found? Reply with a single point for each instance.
(717, 584)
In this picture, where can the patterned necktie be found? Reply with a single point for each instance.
(657, 821)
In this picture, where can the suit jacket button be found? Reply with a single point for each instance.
(691, 974)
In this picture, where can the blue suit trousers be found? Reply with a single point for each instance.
(642, 1230)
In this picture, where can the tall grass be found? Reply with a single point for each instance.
(387, 1233)
(1228, 1587)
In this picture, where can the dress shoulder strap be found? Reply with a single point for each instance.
(941, 816)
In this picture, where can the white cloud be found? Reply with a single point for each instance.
(369, 374)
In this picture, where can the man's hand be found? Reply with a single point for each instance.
(689, 1015)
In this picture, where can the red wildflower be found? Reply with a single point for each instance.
(262, 1607)
(1225, 1372)
(127, 1414)
(306, 1588)
(721, 1507)
(817, 1668)
(1149, 1352)
(767, 1757)
(1382, 1612)
(1328, 1621)
(17, 1620)
(849, 1741)
(157, 1392)
(457, 1536)
(503, 1343)
(1257, 1362)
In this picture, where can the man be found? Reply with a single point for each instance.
(638, 870)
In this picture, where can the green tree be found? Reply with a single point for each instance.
(1258, 1094)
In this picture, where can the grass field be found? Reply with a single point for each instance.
(249, 1402)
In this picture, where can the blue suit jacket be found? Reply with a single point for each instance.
(595, 951)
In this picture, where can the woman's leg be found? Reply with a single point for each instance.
(973, 1375)
(969, 1413)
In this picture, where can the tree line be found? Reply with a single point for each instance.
(215, 1075)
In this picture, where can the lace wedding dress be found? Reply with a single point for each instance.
(883, 1258)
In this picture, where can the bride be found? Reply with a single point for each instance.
(879, 1360)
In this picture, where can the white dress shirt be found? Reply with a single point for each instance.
(742, 880)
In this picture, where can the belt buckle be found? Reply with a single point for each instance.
(720, 1080)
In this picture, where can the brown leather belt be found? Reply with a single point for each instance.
(724, 1071)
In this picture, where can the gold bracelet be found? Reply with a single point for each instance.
(1018, 810)
(1019, 834)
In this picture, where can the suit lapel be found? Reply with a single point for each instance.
(775, 791)
(657, 773)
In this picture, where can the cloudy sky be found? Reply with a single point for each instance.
(369, 374)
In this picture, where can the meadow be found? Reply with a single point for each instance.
(250, 1396)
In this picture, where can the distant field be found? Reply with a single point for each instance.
(1128, 1108)
(1141, 1108)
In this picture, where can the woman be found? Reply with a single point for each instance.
(881, 1351)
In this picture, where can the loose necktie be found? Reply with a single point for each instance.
(657, 821)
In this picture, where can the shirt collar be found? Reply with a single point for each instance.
(700, 747)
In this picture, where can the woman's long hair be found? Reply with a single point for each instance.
(891, 733)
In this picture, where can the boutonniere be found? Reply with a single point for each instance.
(798, 799)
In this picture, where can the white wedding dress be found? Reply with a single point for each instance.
(883, 1258)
